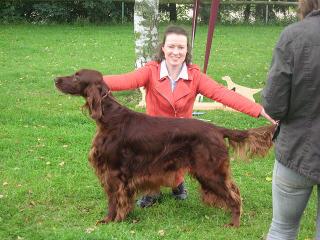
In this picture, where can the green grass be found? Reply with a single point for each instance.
(47, 188)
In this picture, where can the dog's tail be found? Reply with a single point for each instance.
(250, 143)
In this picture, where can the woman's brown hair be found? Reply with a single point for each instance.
(159, 56)
(307, 6)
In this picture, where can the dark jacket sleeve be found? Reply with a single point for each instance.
(276, 93)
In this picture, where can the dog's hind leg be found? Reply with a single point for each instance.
(211, 168)
(223, 193)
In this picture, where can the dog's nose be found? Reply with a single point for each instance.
(56, 80)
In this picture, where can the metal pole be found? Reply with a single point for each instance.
(122, 12)
(212, 22)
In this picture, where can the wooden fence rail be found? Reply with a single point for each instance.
(265, 3)
(281, 3)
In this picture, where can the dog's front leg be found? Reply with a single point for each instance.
(121, 200)
(125, 202)
(112, 209)
(235, 221)
(110, 185)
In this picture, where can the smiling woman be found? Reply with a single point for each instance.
(175, 51)
(171, 84)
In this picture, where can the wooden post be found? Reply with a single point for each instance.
(267, 10)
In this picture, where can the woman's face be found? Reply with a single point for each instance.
(175, 49)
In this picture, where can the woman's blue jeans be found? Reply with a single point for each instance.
(290, 194)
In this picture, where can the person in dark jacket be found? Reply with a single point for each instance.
(292, 96)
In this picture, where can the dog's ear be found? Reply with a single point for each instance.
(93, 97)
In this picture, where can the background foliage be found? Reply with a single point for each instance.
(106, 11)
(95, 11)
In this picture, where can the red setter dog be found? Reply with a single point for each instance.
(134, 153)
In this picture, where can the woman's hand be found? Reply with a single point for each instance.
(266, 116)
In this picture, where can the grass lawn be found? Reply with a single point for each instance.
(47, 188)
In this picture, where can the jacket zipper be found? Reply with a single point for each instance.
(175, 112)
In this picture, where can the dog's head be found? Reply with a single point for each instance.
(86, 83)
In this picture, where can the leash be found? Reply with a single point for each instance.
(109, 94)
(105, 95)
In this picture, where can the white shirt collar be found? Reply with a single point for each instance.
(164, 71)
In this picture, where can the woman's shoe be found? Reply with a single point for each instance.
(180, 192)
(148, 200)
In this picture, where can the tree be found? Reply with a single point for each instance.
(146, 33)
(173, 12)
(171, 9)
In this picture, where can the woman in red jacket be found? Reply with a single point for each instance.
(172, 84)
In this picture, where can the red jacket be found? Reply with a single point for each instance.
(161, 101)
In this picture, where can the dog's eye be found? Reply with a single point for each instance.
(76, 78)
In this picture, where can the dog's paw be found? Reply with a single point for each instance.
(104, 221)
(234, 225)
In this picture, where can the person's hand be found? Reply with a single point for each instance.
(266, 116)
